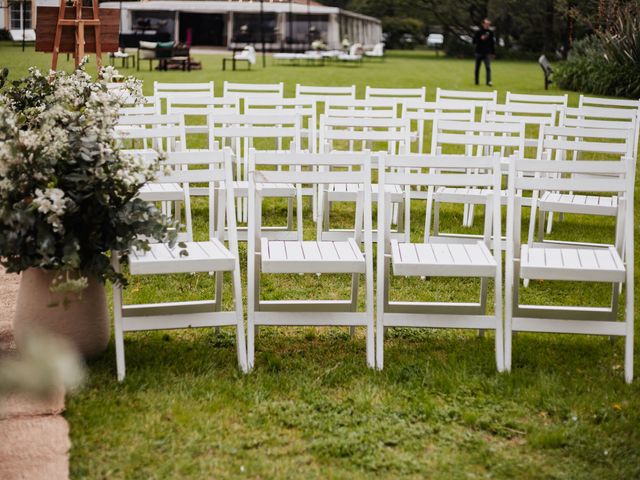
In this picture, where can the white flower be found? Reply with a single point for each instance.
(53, 204)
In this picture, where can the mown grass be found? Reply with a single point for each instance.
(311, 408)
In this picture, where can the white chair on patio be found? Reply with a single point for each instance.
(206, 256)
(266, 256)
(570, 264)
(441, 258)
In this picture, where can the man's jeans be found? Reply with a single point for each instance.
(486, 58)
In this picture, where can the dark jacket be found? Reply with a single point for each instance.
(486, 46)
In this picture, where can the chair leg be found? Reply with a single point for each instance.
(241, 346)
(118, 332)
(541, 218)
(549, 223)
(436, 219)
(427, 219)
(218, 306)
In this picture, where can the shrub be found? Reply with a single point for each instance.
(607, 62)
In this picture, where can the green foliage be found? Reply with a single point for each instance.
(608, 62)
(67, 190)
(397, 27)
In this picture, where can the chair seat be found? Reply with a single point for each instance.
(161, 192)
(241, 189)
(581, 204)
(442, 259)
(347, 192)
(311, 257)
(580, 264)
(210, 256)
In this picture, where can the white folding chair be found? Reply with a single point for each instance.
(153, 134)
(370, 108)
(469, 138)
(321, 94)
(587, 264)
(305, 108)
(423, 113)
(587, 101)
(196, 110)
(526, 98)
(442, 258)
(253, 90)
(207, 256)
(356, 134)
(263, 132)
(477, 99)
(401, 94)
(163, 91)
(267, 256)
(577, 143)
(533, 115)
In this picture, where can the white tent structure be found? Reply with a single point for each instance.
(287, 24)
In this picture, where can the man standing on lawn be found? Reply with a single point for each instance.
(485, 49)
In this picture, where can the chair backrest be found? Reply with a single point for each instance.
(163, 91)
(398, 93)
(212, 166)
(479, 99)
(369, 108)
(478, 138)
(309, 168)
(196, 110)
(394, 132)
(139, 110)
(244, 90)
(176, 90)
(427, 112)
(604, 117)
(431, 171)
(562, 176)
(262, 132)
(306, 109)
(164, 133)
(320, 93)
(580, 143)
(561, 100)
(533, 115)
(355, 49)
(586, 101)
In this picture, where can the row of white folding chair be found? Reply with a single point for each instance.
(202, 256)
(434, 258)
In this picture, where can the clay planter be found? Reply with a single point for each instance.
(84, 321)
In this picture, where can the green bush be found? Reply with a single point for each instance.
(607, 62)
(397, 27)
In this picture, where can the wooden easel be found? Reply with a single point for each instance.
(78, 23)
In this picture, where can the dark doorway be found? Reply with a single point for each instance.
(204, 28)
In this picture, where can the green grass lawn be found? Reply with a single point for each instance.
(311, 408)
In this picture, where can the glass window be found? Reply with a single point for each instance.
(308, 28)
(154, 22)
(246, 27)
(18, 12)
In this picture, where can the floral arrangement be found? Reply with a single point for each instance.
(67, 190)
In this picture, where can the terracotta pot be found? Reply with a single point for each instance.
(83, 320)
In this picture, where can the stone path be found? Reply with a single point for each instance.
(34, 436)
